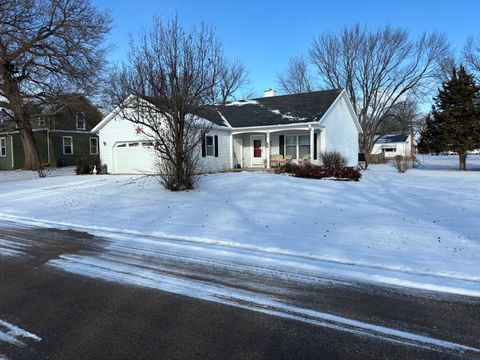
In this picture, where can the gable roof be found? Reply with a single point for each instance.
(266, 111)
(387, 139)
(275, 110)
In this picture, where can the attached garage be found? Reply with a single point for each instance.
(133, 157)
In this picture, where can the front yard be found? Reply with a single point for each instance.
(423, 222)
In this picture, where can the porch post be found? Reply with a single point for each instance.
(231, 151)
(268, 149)
(312, 145)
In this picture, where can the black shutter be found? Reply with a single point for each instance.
(216, 146)
(315, 155)
(281, 145)
(204, 150)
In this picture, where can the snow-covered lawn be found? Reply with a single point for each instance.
(423, 222)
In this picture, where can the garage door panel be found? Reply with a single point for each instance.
(134, 158)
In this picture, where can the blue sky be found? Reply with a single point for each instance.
(265, 34)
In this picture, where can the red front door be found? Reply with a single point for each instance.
(257, 148)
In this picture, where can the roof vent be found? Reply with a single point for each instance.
(269, 93)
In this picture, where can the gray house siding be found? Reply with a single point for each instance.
(6, 163)
(81, 148)
(50, 134)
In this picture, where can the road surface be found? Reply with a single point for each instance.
(70, 295)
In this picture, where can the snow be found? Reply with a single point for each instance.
(225, 121)
(418, 229)
(242, 102)
(104, 269)
(12, 334)
(289, 117)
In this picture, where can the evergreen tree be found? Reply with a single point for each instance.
(454, 122)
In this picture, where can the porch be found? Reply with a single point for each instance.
(267, 148)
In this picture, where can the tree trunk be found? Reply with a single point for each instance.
(30, 151)
(462, 161)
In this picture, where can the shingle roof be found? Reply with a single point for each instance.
(275, 110)
(386, 139)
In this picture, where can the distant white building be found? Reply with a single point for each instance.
(393, 145)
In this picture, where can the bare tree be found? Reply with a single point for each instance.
(403, 117)
(471, 55)
(233, 78)
(379, 69)
(296, 78)
(47, 48)
(169, 73)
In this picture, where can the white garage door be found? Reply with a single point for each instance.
(135, 157)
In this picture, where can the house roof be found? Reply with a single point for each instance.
(266, 111)
(274, 110)
(387, 139)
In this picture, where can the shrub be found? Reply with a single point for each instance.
(401, 163)
(310, 171)
(288, 168)
(333, 160)
(85, 167)
(348, 173)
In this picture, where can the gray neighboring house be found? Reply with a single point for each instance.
(62, 133)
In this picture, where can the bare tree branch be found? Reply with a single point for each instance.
(379, 69)
(48, 48)
(170, 72)
(471, 55)
(296, 78)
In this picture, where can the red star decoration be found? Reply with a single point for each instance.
(138, 130)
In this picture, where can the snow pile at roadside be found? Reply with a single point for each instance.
(422, 222)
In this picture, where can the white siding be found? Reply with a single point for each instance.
(116, 130)
(401, 148)
(121, 130)
(222, 162)
(340, 133)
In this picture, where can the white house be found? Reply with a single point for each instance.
(393, 145)
(257, 133)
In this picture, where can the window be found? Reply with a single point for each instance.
(390, 149)
(41, 121)
(297, 144)
(303, 145)
(3, 147)
(209, 145)
(67, 145)
(80, 121)
(291, 146)
(93, 146)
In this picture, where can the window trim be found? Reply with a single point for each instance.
(3, 148)
(42, 121)
(84, 121)
(90, 145)
(296, 145)
(71, 144)
(212, 147)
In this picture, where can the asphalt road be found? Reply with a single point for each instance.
(70, 316)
